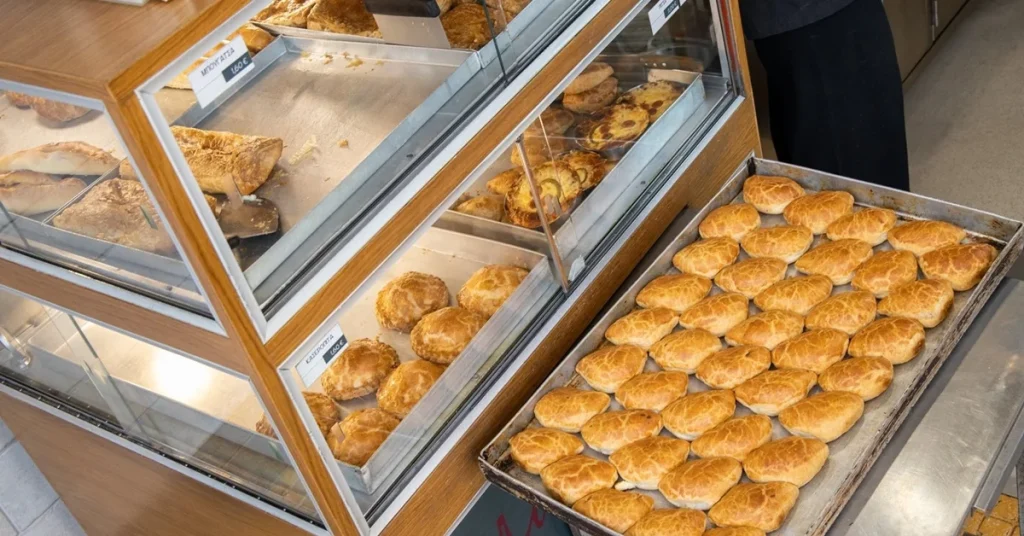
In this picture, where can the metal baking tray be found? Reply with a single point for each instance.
(851, 455)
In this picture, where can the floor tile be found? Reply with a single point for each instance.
(57, 521)
(25, 493)
(6, 528)
(6, 436)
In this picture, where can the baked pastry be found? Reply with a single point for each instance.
(752, 276)
(791, 459)
(359, 370)
(836, 260)
(534, 449)
(654, 97)
(614, 128)
(817, 211)
(692, 415)
(29, 193)
(617, 510)
(489, 207)
(717, 314)
(263, 427)
(489, 287)
(767, 329)
(642, 327)
(920, 237)
(670, 522)
(56, 111)
(866, 377)
(215, 157)
(762, 506)
(466, 26)
(589, 167)
(734, 531)
(254, 37)
(325, 413)
(126, 171)
(784, 242)
(652, 390)
(685, 350)
(699, 484)
(558, 188)
(730, 367)
(592, 75)
(286, 13)
(510, 8)
(63, 158)
(505, 182)
(574, 477)
(120, 212)
(344, 17)
(641, 464)
(606, 369)
(770, 195)
(568, 408)
(926, 300)
(408, 298)
(677, 292)
(406, 385)
(440, 337)
(609, 432)
(825, 416)
(594, 99)
(772, 391)
(730, 221)
(847, 312)
(815, 350)
(962, 265)
(884, 271)
(796, 295)
(553, 121)
(706, 257)
(360, 434)
(871, 225)
(734, 438)
(19, 100)
(539, 149)
(897, 339)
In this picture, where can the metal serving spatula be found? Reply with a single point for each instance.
(409, 22)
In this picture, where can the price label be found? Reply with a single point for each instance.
(661, 12)
(223, 70)
(321, 356)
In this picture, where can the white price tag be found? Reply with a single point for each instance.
(221, 71)
(661, 12)
(321, 356)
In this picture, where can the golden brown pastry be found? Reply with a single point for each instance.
(772, 391)
(556, 184)
(796, 295)
(505, 182)
(699, 484)
(553, 121)
(606, 369)
(56, 111)
(489, 287)
(752, 276)
(406, 385)
(642, 327)
(343, 16)
(866, 377)
(871, 225)
(734, 531)
(926, 300)
(215, 157)
(791, 459)
(286, 13)
(539, 150)
(767, 329)
(64, 158)
(825, 416)
(408, 298)
(837, 260)
(574, 477)
(654, 97)
(592, 75)
(692, 415)
(120, 212)
(734, 438)
(770, 195)
(255, 38)
(784, 242)
(652, 390)
(614, 128)
(885, 271)
(706, 257)
(677, 292)
(609, 432)
(360, 434)
(962, 265)
(617, 510)
(730, 367)
(815, 350)
(440, 337)
(466, 26)
(670, 522)
(762, 506)
(568, 408)
(28, 192)
(641, 464)
(897, 339)
(920, 237)
(325, 413)
(589, 167)
(19, 100)
(489, 207)
(818, 211)
(594, 99)
(846, 311)
(359, 370)
(732, 221)
(534, 449)
(717, 314)
(263, 425)
(685, 350)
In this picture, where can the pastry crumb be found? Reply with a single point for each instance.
(356, 62)
(346, 55)
(304, 152)
(379, 62)
(343, 143)
(304, 54)
(328, 59)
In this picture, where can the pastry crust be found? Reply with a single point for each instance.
(489, 287)
(343, 16)
(825, 416)
(699, 484)
(752, 276)
(847, 312)
(926, 300)
(654, 97)
(534, 449)
(885, 271)
(767, 329)
(818, 211)
(359, 370)
(614, 128)
(837, 260)
(730, 221)
(897, 339)
(19, 100)
(557, 184)
(866, 377)
(734, 438)
(871, 225)
(706, 257)
(568, 408)
(505, 182)
(769, 194)
(606, 369)
(772, 391)
(796, 295)
(617, 510)
(589, 167)
(762, 506)
(670, 522)
(63, 158)
(815, 350)
(592, 75)
(255, 38)
(286, 13)
(730, 367)
(574, 477)
(215, 157)
(441, 336)
(594, 99)
(791, 459)
(539, 149)
(489, 207)
(360, 434)
(466, 26)
(784, 242)
(325, 413)
(642, 463)
(120, 212)
(610, 431)
(734, 531)
(408, 298)
(652, 390)
(57, 111)
(406, 385)
(685, 350)
(677, 292)
(692, 415)
(29, 193)
(920, 237)
(263, 427)
(717, 314)
(553, 121)
(642, 327)
(962, 265)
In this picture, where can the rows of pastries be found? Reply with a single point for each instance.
(840, 296)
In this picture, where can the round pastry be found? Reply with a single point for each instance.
(920, 237)
(772, 391)
(670, 522)
(557, 185)
(407, 298)
(58, 112)
(641, 464)
(360, 434)
(847, 312)
(770, 195)
(815, 350)
(730, 367)
(897, 339)
(791, 459)
(654, 97)
(568, 408)
(962, 265)
(752, 276)
(652, 390)
(767, 329)
(359, 370)
(609, 432)
(825, 416)
(885, 271)
(594, 99)
(505, 182)
(606, 369)
(734, 438)
(706, 257)
(692, 415)
(489, 287)
(466, 26)
(406, 385)
(574, 477)
(685, 350)
(677, 292)
(762, 506)
(642, 327)
(699, 484)
(717, 314)
(589, 167)
(489, 207)
(817, 211)
(614, 128)
(552, 122)
(325, 413)
(534, 449)
(442, 335)
(539, 149)
(734, 531)
(866, 377)
(617, 510)
(871, 225)
(730, 221)
(784, 242)
(836, 260)
(592, 75)
(926, 300)
(796, 295)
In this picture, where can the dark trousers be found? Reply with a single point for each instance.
(835, 98)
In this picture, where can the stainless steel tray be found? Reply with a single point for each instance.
(851, 455)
